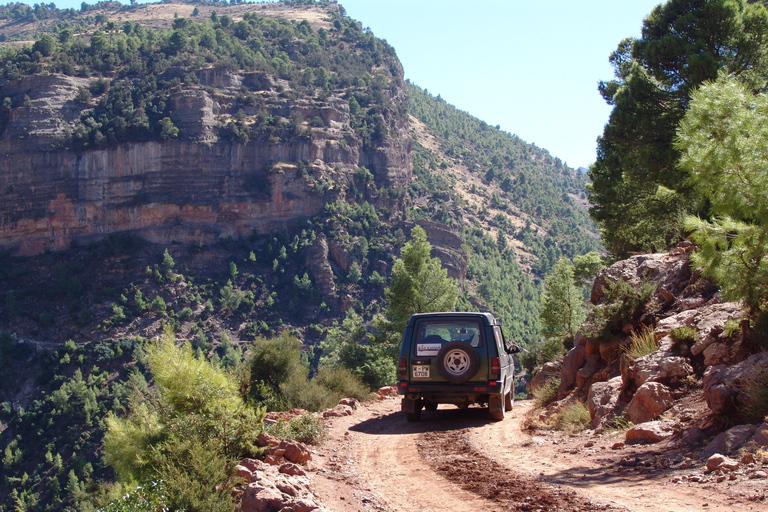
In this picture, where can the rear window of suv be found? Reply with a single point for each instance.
(431, 335)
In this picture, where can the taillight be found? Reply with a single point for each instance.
(495, 366)
(402, 369)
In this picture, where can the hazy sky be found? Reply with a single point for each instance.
(530, 66)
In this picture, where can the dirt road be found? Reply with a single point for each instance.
(458, 460)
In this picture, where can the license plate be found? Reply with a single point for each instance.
(421, 372)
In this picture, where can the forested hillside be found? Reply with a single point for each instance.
(297, 112)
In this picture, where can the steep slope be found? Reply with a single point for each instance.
(517, 208)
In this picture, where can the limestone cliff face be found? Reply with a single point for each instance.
(196, 187)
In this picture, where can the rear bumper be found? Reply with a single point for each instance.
(446, 389)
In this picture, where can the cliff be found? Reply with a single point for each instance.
(197, 188)
(247, 150)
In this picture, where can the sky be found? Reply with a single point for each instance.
(530, 66)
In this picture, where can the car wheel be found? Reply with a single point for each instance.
(497, 407)
(430, 406)
(457, 362)
(509, 400)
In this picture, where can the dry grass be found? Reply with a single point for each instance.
(641, 343)
(546, 393)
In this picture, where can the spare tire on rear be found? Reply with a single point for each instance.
(457, 362)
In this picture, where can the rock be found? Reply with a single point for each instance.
(710, 322)
(650, 432)
(572, 363)
(729, 441)
(547, 372)
(694, 436)
(292, 469)
(716, 353)
(195, 188)
(350, 402)
(603, 400)
(386, 391)
(669, 271)
(243, 472)
(586, 372)
(264, 440)
(667, 325)
(761, 435)
(649, 401)
(748, 458)
(724, 385)
(660, 366)
(718, 461)
(295, 451)
(610, 350)
(758, 474)
(339, 410)
(318, 267)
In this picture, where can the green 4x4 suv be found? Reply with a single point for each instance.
(455, 358)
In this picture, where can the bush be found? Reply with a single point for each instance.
(307, 428)
(546, 393)
(342, 383)
(274, 361)
(641, 343)
(623, 304)
(299, 392)
(684, 335)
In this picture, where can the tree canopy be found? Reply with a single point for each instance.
(723, 140)
(638, 192)
(419, 283)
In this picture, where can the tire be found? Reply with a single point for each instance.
(497, 407)
(430, 406)
(412, 409)
(457, 362)
(413, 416)
(509, 400)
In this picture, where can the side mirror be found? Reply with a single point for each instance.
(513, 348)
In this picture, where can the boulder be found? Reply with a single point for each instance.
(603, 400)
(718, 461)
(264, 440)
(729, 441)
(710, 322)
(572, 363)
(650, 432)
(387, 391)
(761, 436)
(649, 401)
(716, 353)
(660, 366)
(339, 410)
(724, 385)
(548, 371)
(295, 451)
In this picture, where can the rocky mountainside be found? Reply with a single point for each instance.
(201, 185)
(698, 383)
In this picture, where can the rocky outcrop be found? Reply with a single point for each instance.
(724, 386)
(275, 488)
(701, 356)
(447, 245)
(196, 188)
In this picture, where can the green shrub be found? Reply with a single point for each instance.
(342, 383)
(307, 428)
(641, 343)
(684, 335)
(299, 392)
(144, 498)
(619, 422)
(274, 361)
(623, 304)
(546, 393)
